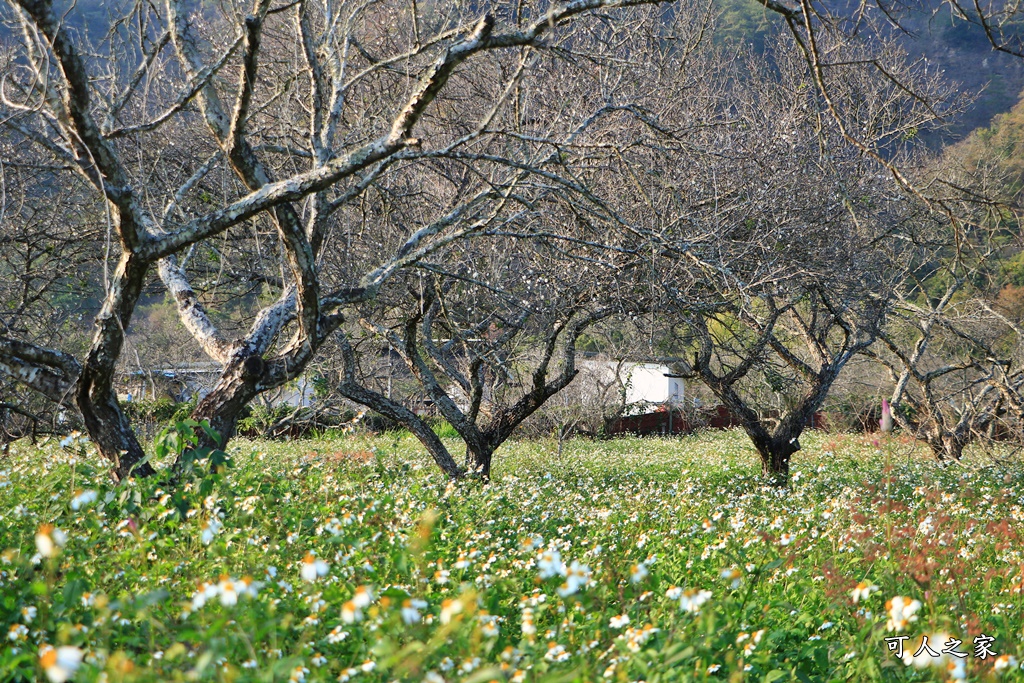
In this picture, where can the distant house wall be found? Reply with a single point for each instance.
(646, 383)
(664, 421)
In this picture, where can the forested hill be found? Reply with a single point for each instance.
(958, 48)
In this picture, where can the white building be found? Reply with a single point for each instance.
(652, 383)
(646, 384)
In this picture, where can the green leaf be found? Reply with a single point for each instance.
(73, 590)
(210, 432)
(484, 675)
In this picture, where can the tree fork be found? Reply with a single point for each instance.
(223, 405)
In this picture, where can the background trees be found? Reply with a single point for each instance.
(772, 238)
(41, 275)
(492, 339)
(952, 343)
(472, 192)
(297, 123)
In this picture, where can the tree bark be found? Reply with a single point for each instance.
(480, 462)
(408, 419)
(947, 446)
(105, 421)
(222, 406)
(775, 455)
(352, 390)
(110, 430)
(775, 448)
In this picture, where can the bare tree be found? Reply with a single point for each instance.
(958, 382)
(330, 103)
(490, 329)
(951, 351)
(769, 244)
(490, 337)
(40, 279)
(952, 344)
(599, 395)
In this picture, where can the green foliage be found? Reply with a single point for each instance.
(321, 386)
(156, 410)
(743, 22)
(853, 412)
(999, 148)
(181, 440)
(149, 417)
(1013, 270)
(258, 418)
(444, 429)
(216, 579)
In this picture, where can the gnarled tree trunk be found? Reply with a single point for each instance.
(110, 430)
(775, 454)
(352, 390)
(223, 405)
(88, 123)
(479, 462)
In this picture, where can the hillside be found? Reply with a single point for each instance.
(955, 47)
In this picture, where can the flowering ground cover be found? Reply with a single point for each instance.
(352, 559)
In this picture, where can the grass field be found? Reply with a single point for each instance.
(351, 559)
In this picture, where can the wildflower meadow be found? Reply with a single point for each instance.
(351, 558)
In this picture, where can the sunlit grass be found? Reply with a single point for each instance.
(352, 558)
